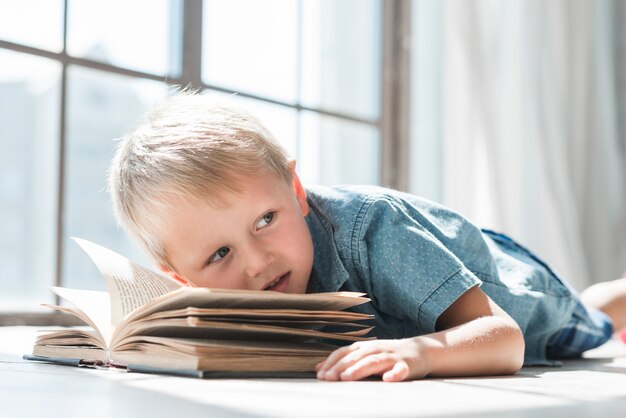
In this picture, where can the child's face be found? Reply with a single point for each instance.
(255, 239)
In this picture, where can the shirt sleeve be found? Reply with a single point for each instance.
(408, 272)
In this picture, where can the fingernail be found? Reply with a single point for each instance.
(346, 374)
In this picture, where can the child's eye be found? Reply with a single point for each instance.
(219, 254)
(265, 220)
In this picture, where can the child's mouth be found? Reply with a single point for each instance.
(279, 284)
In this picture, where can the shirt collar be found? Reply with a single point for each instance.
(328, 273)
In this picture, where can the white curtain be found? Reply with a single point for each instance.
(532, 127)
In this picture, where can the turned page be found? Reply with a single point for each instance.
(130, 285)
(94, 305)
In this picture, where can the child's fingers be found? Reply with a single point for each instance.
(334, 372)
(363, 359)
(334, 357)
(398, 373)
(374, 364)
(367, 353)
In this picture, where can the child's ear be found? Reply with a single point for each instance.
(175, 276)
(298, 188)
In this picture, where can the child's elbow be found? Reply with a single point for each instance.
(515, 355)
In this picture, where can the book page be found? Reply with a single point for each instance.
(242, 313)
(199, 297)
(212, 330)
(94, 304)
(130, 285)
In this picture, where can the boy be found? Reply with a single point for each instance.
(215, 202)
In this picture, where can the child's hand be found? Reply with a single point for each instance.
(477, 338)
(394, 360)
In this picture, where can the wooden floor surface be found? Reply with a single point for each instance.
(591, 387)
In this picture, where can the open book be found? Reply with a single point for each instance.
(148, 322)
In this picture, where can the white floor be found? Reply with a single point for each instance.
(595, 386)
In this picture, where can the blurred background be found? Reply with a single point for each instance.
(510, 112)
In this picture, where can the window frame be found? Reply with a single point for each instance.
(392, 124)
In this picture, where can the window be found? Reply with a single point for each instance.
(313, 71)
(301, 62)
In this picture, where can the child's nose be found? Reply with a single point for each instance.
(258, 260)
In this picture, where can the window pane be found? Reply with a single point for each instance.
(141, 35)
(101, 108)
(281, 121)
(341, 56)
(29, 131)
(36, 23)
(250, 46)
(334, 151)
(427, 107)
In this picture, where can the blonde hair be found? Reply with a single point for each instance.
(189, 147)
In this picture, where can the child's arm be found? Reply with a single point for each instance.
(477, 338)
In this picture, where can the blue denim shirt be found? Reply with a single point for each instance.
(414, 258)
